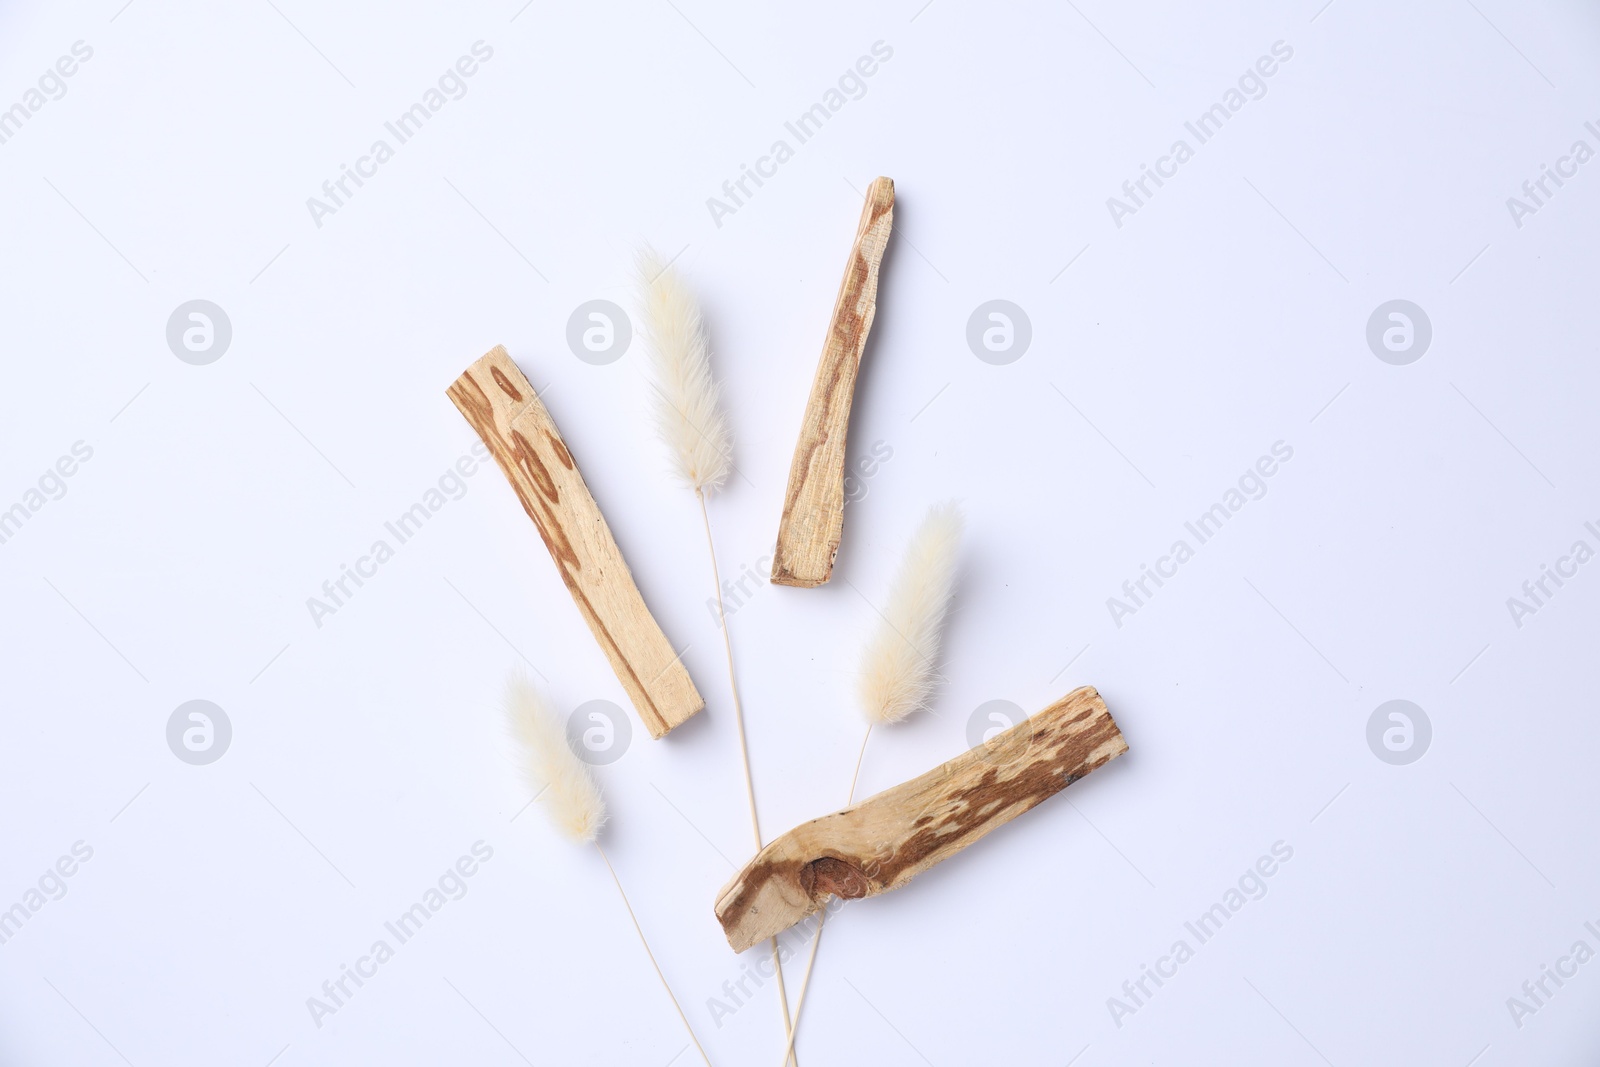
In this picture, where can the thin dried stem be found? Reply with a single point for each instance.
(855, 777)
(643, 941)
(744, 754)
(816, 942)
(733, 685)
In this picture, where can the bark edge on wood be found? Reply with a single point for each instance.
(881, 843)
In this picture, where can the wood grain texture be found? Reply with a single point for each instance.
(886, 840)
(501, 405)
(813, 504)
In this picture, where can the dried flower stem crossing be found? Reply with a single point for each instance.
(749, 781)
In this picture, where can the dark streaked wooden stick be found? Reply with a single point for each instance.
(501, 405)
(813, 504)
(886, 840)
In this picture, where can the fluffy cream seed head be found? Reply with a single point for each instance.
(688, 413)
(897, 669)
(565, 786)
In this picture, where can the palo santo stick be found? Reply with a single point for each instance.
(813, 504)
(886, 840)
(503, 408)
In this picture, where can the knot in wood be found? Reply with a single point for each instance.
(829, 874)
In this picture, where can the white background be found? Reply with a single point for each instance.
(1229, 313)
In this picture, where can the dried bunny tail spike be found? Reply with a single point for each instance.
(565, 785)
(897, 671)
(688, 412)
(689, 420)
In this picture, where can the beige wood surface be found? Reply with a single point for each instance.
(813, 504)
(504, 409)
(886, 840)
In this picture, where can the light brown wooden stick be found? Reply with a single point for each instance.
(886, 840)
(813, 504)
(503, 408)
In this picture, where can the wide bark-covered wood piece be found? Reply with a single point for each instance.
(886, 840)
